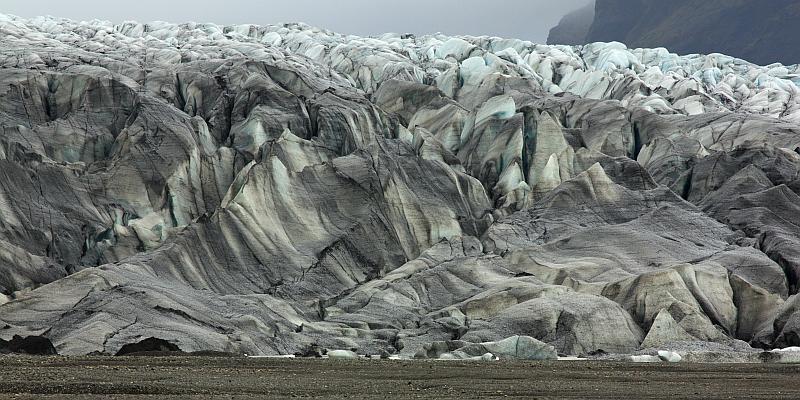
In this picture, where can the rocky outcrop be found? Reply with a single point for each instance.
(283, 189)
(149, 345)
(32, 345)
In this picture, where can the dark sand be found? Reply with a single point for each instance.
(241, 378)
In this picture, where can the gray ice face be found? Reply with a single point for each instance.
(524, 19)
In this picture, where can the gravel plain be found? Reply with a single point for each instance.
(243, 378)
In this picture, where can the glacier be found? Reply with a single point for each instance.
(271, 189)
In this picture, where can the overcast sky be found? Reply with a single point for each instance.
(524, 19)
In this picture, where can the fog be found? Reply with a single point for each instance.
(524, 19)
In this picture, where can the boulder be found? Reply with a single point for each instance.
(669, 356)
(342, 355)
(644, 359)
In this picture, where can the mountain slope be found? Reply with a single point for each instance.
(573, 27)
(760, 32)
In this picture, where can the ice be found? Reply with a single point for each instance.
(455, 47)
(457, 65)
(500, 107)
